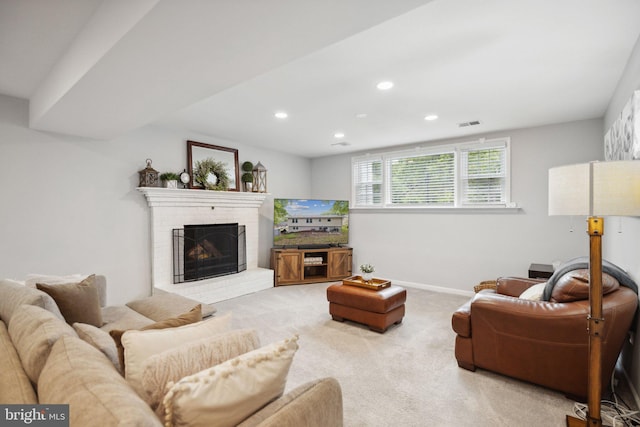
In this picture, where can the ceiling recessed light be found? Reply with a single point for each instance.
(431, 117)
(338, 135)
(386, 85)
(281, 115)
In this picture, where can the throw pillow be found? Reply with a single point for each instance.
(192, 316)
(140, 345)
(78, 302)
(534, 293)
(176, 363)
(163, 305)
(14, 295)
(230, 392)
(99, 339)
(99, 281)
(574, 286)
(77, 374)
(33, 330)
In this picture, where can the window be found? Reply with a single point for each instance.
(463, 175)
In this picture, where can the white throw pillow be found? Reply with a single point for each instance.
(230, 392)
(534, 293)
(140, 345)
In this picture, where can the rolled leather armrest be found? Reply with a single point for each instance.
(461, 320)
(514, 286)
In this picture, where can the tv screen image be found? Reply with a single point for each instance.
(310, 223)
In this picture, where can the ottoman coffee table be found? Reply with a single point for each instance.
(378, 309)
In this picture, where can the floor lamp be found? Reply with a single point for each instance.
(595, 189)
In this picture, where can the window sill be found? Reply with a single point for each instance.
(440, 210)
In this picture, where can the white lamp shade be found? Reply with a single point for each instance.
(595, 189)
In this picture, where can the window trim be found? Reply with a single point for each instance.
(385, 157)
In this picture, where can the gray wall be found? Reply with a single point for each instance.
(70, 205)
(458, 250)
(621, 240)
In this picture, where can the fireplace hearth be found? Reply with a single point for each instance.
(208, 250)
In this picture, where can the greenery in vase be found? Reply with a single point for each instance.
(169, 176)
(367, 268)
(247, 167)
(247, 177)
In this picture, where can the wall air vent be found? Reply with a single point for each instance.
(472, 123)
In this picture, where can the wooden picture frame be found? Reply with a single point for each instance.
(197, 151)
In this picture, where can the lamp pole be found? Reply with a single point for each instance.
(595, 326)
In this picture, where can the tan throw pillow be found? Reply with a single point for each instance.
(230, 392)
(174, 364)
(77, 374)
(78, 302)
(33, 331)
(166, 304)
(14, 295)
(140, 345)
(534, 293)
(192, 316)
(99, 339)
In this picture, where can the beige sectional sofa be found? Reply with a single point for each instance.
(180, 374)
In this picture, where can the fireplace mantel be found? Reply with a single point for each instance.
(157, 197)
(171, 208)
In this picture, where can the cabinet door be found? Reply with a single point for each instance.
(339, 264)
(288, 267)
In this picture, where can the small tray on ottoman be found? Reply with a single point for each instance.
(374, 284)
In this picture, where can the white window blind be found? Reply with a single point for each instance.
(367, 181)
(422, 180)
(473, 174)
(483, 175)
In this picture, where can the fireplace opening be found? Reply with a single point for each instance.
(208, 250)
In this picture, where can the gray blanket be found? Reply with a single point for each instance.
(583, 262)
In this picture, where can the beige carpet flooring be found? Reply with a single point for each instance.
(405, 377)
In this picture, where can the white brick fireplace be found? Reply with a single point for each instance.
(175, 208)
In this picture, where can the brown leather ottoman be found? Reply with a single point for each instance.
(376, 309)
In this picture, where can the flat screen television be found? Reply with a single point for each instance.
(306, 223)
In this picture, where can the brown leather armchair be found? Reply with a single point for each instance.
(542, 342)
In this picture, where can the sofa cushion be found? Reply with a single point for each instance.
(99, 339)
(79, 375)
(15, 385)
(77, 301)
(100, 282)
(574, 286)
(140, 345)
(192, 316)
(33, 331)
(173, 364)
(122, 317)
(226, 394)
(165, 304)
(14, 294)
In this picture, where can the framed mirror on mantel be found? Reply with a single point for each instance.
(198, 151)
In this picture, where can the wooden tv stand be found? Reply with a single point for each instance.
(298, 266)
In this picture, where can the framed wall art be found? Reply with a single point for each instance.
(622, 140)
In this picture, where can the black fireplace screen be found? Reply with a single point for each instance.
(210, 250)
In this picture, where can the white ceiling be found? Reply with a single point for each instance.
(223, 68)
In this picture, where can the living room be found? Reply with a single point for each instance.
(70, 203)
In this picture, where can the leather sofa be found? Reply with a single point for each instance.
(542, 342)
